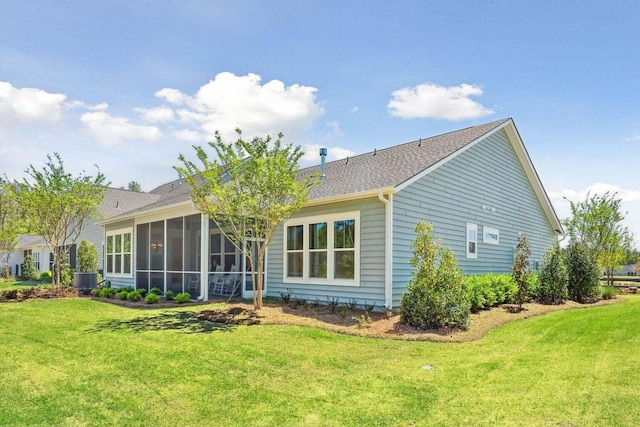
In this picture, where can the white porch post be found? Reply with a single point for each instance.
(204, 257)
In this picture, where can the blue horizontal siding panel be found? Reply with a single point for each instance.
(489, 174)
(371, 289)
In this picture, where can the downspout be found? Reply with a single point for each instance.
(388, 249)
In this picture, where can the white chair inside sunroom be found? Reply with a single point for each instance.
(231, 282)
(216, 280)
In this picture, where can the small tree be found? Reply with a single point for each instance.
(553, 277)
(28, 270)
(11, 224)
(247, 192)
(436, 294)
(87, 257)
(597, 223)
(583, 271)
(521, 271)
(134, 186)
(57, 205)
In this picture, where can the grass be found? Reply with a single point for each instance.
(13, 284)
(82, 362)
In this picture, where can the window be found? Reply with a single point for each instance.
(36, 260)
(323, 249)
(472, 240)
(119, 252)
(491, 235)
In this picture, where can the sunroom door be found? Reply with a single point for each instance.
(247, 287)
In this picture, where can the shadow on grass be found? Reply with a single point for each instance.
(186, 322)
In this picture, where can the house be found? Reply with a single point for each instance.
(477, 186)
(115, 202)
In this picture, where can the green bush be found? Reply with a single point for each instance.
(553, 278)
(533, 285)
(152, 298)
(170, 295)
(46, 276)
(134, 296)
(28, 269)
(95, 292)
(436, 294)
(488, 290)
(584, 275)
(520, 269)
(107, 292)
(608, 292)
(87, 257)
(183, 297)
(155, 291)
(142, 291)
(123, 294)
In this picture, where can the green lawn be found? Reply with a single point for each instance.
(12, 284)
(81, 362)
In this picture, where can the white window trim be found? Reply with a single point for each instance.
(472, 227)
(120, 231)
(329, 219)
(487, 232)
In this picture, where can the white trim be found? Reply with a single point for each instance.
(350, 196)
(131, 253)
(488, 234)
(329, 219)
(388, 249)
(472, 228)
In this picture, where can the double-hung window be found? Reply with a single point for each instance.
(118, 252)
(323, 249)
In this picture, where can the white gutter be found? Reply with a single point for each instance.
(388, 249)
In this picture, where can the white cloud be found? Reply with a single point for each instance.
(189, 135)
(355, 109)
(334, 130)
(29, 105)
(111, 130)
(156, 115)
(431, 100)
(229, 101)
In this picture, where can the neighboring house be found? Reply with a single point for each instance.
(115, 202)
(34, 246)
(477, 186)
(627, 270)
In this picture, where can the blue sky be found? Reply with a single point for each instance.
(128, 85)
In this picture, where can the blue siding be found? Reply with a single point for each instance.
(371, 287)
(451, 196)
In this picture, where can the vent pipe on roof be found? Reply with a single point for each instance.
(323, 157)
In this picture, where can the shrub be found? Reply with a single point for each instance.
(155, 291)
(520, 269)
(533, 284)
(46, 276)
(87, 257)
(28, 269)
(183, 297)
(436, 294)
(152, 298)
(584, 275)
(95, 292)
(123, 294)
(170, 295)
(107, 292)
(488, 290)
(143, 292)
(553, 278)
(134, 296)
(608, 292)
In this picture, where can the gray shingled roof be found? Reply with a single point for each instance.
(118, 201)
(389, 167)
(26, 240)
